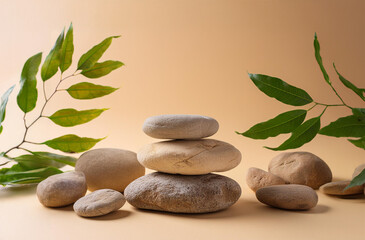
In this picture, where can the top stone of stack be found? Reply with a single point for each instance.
(179, 126)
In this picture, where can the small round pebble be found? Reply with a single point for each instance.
(257, 178)
(180, 126)
(337, 188)
(99, 203)
(290, 197)
(62, 189)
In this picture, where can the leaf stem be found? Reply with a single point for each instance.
(323, 111)
(40, 114)
(338, 95)
(315, 104)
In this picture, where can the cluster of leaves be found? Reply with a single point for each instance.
(33, 167)
(302, 132)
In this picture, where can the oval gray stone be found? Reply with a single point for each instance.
(62, 189)
(99, 203)
(257, 178)
(189, 157)
(301, 168)
(183, 194)
(179, 126)
(291, 197)
(337, 188)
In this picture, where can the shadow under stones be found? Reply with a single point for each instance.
(111, 216)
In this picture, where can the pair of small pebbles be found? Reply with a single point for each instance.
(67, 188)
(291, 180)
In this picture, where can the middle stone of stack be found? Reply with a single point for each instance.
(184, 182)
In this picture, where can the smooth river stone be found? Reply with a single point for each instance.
(257, 178)
(291, 197)
(301, 168)
(109, 168)
(336, 188)
(62, 189)
(183, 194)
(180, 126)
(358, 170)
(189, 157)
(99, 203)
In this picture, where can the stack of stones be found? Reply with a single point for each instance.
(184, 182)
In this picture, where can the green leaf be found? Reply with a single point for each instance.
(71, 143)
(101, 69)
(28, 94)
(350, 126)
(94, 54)
(31, 161)
(359, 91)
(358, 111)
(67, 50)
(4, 102)
(20, 175)
(52, 62)
(283, 123)
(87, 90)
(319, 59)
(68, 160)
(301, 135)
(357, 181)
(358, 142)
(71, 117)
(282, 91)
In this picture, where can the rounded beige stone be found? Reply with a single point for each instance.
(99, 203)
(290, 196)
(189, 157)
(358, 170)
(62, 189)
(337, 188)
(257, 178)
(301, 168)
(183, 194)
(109, 168)
(179, 126)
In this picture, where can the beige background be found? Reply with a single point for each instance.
(190, 57)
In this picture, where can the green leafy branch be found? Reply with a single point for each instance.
(302, 132)
(33, 167)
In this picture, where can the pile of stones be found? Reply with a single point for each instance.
(105, 171)
(184, 182)
(292, 180)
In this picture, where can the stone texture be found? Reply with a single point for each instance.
(109, 168)
(257, 178)
(62, 189)
(183, 194)
(301, 168)
(336, 188)
(99, 203)
(189, 157)
(291, 197)
(358, 170)
(180, 126)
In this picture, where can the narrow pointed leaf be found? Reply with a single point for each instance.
(283, 123)
(350, 126)
(101, 69)
(71, 117)
(28, 94)
(300, 136)
(94, 54)
(71, 143)
(52, 62)
(280, 90)
(4, 102)
(359, 91)
(87, 90)
(68, 160)
(317, 54)
(358, 142)
(20, 175)
(33, 161)
(67, 50)
(357, 181)
(358, 111)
